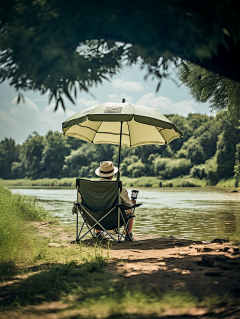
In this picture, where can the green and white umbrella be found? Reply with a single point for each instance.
(121, 123)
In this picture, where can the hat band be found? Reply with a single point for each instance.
(106, 172)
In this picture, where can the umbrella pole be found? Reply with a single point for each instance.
(119, 153)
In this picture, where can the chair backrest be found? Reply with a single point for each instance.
(98, 195)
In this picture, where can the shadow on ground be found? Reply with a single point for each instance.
(155, 278)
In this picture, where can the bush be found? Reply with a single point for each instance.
(126, 162)
(188, 184)
(198, 171)
(136, 169)
(211, 169)
(176, 167)
(84, 171)
(159, 165)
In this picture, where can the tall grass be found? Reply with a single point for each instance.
(144, 181)
(47, 182)
(15, 235)
(159, 182)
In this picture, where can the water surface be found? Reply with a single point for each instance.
(200, 213)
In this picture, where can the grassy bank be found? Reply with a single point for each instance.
(21, 246)
(16, 241)
(127, 182)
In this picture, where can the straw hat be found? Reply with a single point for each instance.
(106, 169)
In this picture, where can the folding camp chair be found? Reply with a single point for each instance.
(101, 208)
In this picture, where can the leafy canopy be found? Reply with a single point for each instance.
(205, 85)
(58, 46)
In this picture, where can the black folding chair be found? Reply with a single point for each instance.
(101, 209)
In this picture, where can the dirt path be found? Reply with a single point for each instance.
(170, 264)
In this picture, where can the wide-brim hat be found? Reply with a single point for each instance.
(106, 169)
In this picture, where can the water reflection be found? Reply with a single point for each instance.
(191, 212)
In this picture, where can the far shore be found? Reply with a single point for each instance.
(145, 181)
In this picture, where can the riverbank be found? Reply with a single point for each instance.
(152, 277)
(127, 182)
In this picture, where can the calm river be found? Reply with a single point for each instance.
(199, 213)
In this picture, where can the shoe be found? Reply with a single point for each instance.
(100, 235)
(129, 237)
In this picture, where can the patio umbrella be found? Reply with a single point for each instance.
(121, 123)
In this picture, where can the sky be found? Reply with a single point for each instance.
(18, 121)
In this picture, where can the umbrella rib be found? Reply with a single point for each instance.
(96, 132)
(161, 134)
(112, 133)
(88, 128)
(101, 132)
(129, 134)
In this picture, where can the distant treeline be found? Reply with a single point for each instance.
(210, 149)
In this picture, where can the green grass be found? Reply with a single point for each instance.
(47, 182)
(157, 182)
(144, 181)
(15, 236)
(85, 286)
(229, 183)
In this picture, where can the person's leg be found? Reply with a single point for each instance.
(129, 226)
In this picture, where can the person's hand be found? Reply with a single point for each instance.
(74, 208)
(133, 201)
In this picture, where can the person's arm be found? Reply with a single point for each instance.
(75, 207)
(130, 210)
(126, 200)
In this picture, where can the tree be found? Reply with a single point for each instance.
(237, 166)
(9, 152)
(77, 159)
(226, 145)
(54, 152)
(204, 85)
(30, 157)
(54, 46)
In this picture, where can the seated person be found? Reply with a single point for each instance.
(106, 170)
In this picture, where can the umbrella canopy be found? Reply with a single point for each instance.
(121, 123)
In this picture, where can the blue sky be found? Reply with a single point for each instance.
(19, 120)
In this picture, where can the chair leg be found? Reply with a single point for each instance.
(77, 239)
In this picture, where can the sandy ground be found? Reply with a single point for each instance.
(172, 263)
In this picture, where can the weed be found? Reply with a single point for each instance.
(16, 237)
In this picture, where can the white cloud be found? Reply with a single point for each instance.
(127, 85)
(19, 120)
(50, 120)
(118, 98)
(83, 103)
(165, 105)
(26, 104)
(6, 119)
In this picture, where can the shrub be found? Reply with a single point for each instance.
(176, 167)
(132, 166)
(211, 169)
(198, 171)
(136, 169)
(84, 171)
(159, 165)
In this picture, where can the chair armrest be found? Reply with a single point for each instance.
(125, 207)
(137, 205)
(77, 204)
